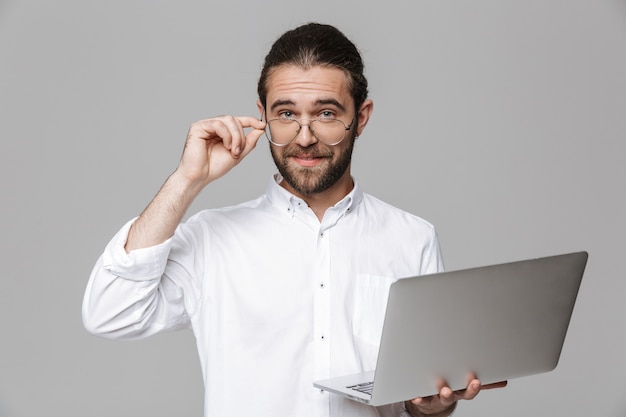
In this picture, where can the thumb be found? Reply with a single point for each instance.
(252, 138)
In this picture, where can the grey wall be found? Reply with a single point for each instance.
(502, 122)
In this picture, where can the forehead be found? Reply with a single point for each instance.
(305, 86)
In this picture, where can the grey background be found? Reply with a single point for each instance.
(502, 122)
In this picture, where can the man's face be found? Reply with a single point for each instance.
(307, 165)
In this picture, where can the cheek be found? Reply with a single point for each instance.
(346, 149)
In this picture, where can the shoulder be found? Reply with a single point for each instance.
(224, 220)
(389, 214)
(247, 208)
(399, 234)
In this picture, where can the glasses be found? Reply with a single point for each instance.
(281, 132)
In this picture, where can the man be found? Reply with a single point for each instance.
(287, 288)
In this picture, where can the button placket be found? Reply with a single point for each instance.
(322, 308)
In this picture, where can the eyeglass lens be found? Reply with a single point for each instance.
(282, 132)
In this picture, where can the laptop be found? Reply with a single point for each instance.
(496, 322)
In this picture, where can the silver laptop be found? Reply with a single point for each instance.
(497, 322)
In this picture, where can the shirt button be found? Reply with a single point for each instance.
(322, 285)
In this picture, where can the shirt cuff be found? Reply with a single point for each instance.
(140, 264)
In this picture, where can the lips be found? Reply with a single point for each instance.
(307, 160)
(306, 155)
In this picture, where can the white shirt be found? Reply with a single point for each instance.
(275, 298)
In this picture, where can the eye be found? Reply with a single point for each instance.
(326, 115)
(286, 115)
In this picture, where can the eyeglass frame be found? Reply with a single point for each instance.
(298, 121)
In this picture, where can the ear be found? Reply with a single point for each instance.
(259, 106)
(365, 112)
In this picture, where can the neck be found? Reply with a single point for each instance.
(320, 202)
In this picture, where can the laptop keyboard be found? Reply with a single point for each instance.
(365, 387)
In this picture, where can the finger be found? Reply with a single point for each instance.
(252, 139)
(235, 138)
(444, 398)
(446, 394)
(427, 401)
(472, 390)
(253, 122)
(423, 402)
(474, 387)
(208, 129)
(253, 136)
(245, 142)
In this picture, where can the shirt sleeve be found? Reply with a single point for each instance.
(129, 295)
(432, 259)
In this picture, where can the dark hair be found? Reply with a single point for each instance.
(315, 44)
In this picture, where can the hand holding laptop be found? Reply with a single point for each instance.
(445, 402)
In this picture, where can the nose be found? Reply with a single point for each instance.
(305, 137)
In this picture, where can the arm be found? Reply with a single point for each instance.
(213, 147)
(131, 293)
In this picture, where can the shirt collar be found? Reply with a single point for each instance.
(289, 203)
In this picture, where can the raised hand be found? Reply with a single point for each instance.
(214, 146)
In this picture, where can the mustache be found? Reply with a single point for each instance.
(308, 152)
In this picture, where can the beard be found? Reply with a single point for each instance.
(312, 180)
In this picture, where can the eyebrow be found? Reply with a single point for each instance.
(319, 102)
(279, 103)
